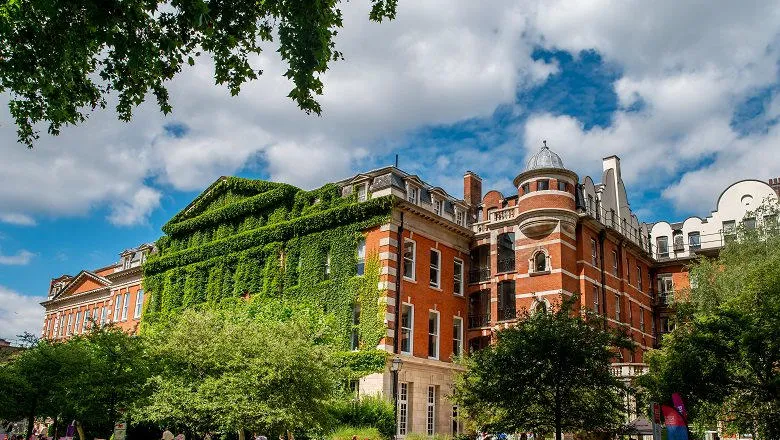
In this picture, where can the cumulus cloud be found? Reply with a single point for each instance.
(688, 65)
(21, 258)
(439, 62)
(19, 314)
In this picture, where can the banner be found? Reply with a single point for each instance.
(679, 405)
(676, 428)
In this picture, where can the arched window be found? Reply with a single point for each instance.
(539, 262)
(540, 306)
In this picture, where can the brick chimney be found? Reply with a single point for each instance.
(775, 184)
(472, 188)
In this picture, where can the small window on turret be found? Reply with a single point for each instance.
(526, 188)
(542, 185)
(562, 186)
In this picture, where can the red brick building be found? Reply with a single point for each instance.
(453, 271)
(111, 294)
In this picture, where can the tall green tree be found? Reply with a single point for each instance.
(548, 373)
(232, 371)
(724, 354)
(60, 59)
(87, 378)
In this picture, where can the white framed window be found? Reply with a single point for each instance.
(433, 334)
(412, 193)
(410, 255)
(460, 217)
(458, 277)
(403, 408)
(86, 324)
(457, 336)
(139, 304)
(614, 263)
(662, 247)
(665, 288)
(70, 323)
(595, 298)
(362, 192)
(77, 323)
(407, 328)
(103, 314)
(117, 308)
(435, 272)
(430, 413)
(360, 268)
(327, 266)
(437, 206)
(641, 319)
(594, 252)
(125, 305)
(617, 307)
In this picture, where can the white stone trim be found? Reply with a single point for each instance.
(387, 241)
(391, 256)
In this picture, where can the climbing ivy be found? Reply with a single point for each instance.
(273, 242)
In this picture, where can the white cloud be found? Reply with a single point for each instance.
(19, 314)
(137, 209)
(21, 258)
(16, 218)
(690, 64)
(439, 62)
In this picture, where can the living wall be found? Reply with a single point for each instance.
(273, 242)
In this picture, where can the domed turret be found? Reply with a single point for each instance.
(545, 158)
(546, 194)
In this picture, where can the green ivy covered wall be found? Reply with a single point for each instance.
(273, 241)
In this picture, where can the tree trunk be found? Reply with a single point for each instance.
(80, 429)
(30, 422)
(241, 434)
(56, 427)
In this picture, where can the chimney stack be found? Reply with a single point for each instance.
(472, 188)
(775, 184)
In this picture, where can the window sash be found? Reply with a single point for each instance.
(431, 411)
(139, 303)
(594, 253)
(457, 336)
(403, 408)
(435, 272)
(410, 249)
(458, 277)
(433, 335)
(361, 257)
(125, 305)
(407, 321)
(117, 307)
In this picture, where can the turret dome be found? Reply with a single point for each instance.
(545, 158)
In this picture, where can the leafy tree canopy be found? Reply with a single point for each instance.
(548, 373)
(724, 354)
(88, 378)
(60, 59)
(241, 369)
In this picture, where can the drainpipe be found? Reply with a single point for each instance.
(397, 332)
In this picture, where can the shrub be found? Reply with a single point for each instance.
(367, 412)
(362, 433)
(415, 436)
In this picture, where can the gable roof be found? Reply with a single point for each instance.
(80, 279)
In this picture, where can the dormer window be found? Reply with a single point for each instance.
(459, 217)
(362, 192)
(412, 193)
(437, 206)
(126, 261)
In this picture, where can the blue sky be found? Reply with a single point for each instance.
(448, 87)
